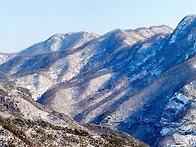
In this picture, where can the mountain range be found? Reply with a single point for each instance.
(142, 82)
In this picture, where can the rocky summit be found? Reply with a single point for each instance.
(142, 82)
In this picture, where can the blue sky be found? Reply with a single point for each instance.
(25, 22)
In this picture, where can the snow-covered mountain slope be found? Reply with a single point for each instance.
(125, 78)
(23, 122)
(59, 42)
(146, 107)
(5, 57)
(17, 102)
(178, 118)
(113, 73)
(38, 73)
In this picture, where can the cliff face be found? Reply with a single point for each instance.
(134, 81)
(178, 118)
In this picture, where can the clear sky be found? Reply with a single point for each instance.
(25, 22)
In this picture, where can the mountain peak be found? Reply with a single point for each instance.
(72, 34)
(88, 34)
(190, 17)
(57, 37)
(114, 32)
(59, 42)
(187, 21)
(184, 27)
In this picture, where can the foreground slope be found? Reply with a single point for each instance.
(24, 122)
(25, 132)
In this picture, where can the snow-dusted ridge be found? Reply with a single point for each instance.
(59, 42)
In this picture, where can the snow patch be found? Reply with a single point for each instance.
(166, 131)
